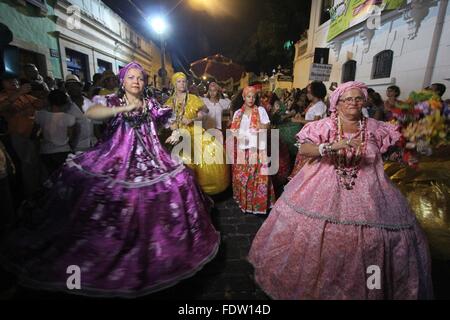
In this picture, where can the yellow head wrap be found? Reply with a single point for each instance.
(177, 76)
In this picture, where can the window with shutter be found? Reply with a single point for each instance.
(382, 64)
(349, 71)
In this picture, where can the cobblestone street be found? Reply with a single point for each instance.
(229, 275)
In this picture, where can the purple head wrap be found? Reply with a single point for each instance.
(341, 89)
(132, 65)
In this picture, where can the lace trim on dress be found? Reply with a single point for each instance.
(319, 216)
(27, 281)
(127, 184)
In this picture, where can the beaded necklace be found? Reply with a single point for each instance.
(347, 161)
(180, 110)
(135, 118)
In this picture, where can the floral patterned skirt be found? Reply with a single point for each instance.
(252, 190)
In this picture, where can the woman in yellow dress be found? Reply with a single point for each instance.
(206, 155)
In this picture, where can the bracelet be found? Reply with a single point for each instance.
(321, 149)
(329, 149)
(326, 149)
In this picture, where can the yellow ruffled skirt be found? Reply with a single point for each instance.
(207, 159)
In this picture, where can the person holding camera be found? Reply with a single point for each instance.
(18, 108)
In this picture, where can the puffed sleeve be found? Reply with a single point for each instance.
(263, 115)
(197, 103)
(226, 104)
(163, 116)
(315, 132)
(194, 105)
(99, 100)
(387, 135)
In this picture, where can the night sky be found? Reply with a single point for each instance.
(224, 26)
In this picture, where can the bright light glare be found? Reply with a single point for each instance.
(214, 7)
(159, 25)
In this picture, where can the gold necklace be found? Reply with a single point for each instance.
(180, 109)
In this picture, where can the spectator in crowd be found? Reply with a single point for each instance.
(39, 88)
(392, 93)
(94, 90)
(18, 107)
(50, 82)
(317, 109)
(57, 131)
(78, 105)
(86, 88)
(109, 83)
(374, 106)
(216, 106)
(6, 205)
(440, 89)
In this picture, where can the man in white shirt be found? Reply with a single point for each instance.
(216, 107)
(79, 104)
(57, 131)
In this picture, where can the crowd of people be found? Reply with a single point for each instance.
(136, 219)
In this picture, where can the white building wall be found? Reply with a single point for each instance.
(442, 69)
(105, 35)
(410, 56)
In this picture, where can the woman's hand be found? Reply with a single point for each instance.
(174, 137)
(185, 121)
(346, 144)
(133, 106)
(298, 119)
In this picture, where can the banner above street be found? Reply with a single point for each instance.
(352, 12)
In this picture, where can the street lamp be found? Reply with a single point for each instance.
(159, 25)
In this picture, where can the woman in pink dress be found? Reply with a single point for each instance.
(341, 229)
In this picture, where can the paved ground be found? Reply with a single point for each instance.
(229, 275)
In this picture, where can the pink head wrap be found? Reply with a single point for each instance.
(341, 89)
(247, 90)
(132, 65)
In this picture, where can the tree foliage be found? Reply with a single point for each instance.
(280, 21)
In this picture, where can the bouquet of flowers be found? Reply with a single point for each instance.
(423, 125)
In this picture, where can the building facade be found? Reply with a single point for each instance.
(408, 46)
(79, 37)
(32, 28)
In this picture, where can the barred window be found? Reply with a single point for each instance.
(382, 64)
(324, 13)
(349, 71)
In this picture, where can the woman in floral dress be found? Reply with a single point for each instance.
(252, 187)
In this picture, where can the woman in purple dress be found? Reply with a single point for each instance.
(130, 217)
(341, 229)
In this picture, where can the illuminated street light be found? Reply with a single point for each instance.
(160, 26)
